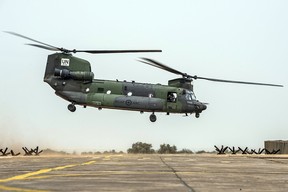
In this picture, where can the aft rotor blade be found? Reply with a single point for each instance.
(36, 41)
(43, 47)
(231, 81)
(115, 51)
(53, 48)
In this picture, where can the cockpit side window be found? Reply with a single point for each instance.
(171, 97)
(190, 96)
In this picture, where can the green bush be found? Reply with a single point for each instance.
(167, 149)
(140, 147)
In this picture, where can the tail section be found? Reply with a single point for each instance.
(62, 66)
(69, 76)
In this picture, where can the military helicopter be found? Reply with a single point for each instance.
(73, 80)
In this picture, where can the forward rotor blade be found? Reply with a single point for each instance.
(169, 69)
(162, 66)
(36, 41)
(148, 63)
(231, 81)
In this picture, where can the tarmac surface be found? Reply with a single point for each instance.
(122, 172)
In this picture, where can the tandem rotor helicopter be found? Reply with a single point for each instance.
(73, 80)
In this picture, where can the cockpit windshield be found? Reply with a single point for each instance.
(190, 96)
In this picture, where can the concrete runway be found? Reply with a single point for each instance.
(145, 173)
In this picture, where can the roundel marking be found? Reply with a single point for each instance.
(128, 102)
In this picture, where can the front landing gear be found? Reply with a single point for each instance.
(153, 117)
(71, 107)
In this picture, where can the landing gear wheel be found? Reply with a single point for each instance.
(153, 117)
(197, 115)
(71, 108)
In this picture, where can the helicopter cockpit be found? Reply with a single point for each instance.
(190, 96)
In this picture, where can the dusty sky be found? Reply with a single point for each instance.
(242, 40)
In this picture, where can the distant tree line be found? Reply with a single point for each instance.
(113, 151)
(146, 148)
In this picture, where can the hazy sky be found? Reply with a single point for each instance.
(241, 40)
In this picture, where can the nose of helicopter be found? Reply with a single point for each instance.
(203, 106)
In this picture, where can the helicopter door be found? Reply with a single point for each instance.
(171, 101)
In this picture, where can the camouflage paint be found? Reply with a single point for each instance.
(71, 78)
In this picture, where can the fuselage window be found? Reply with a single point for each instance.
(171, 97)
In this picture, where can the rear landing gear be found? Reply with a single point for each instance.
(71, 107)
(197, 115)
(153, 117)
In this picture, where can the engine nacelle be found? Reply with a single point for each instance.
(76, 75)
